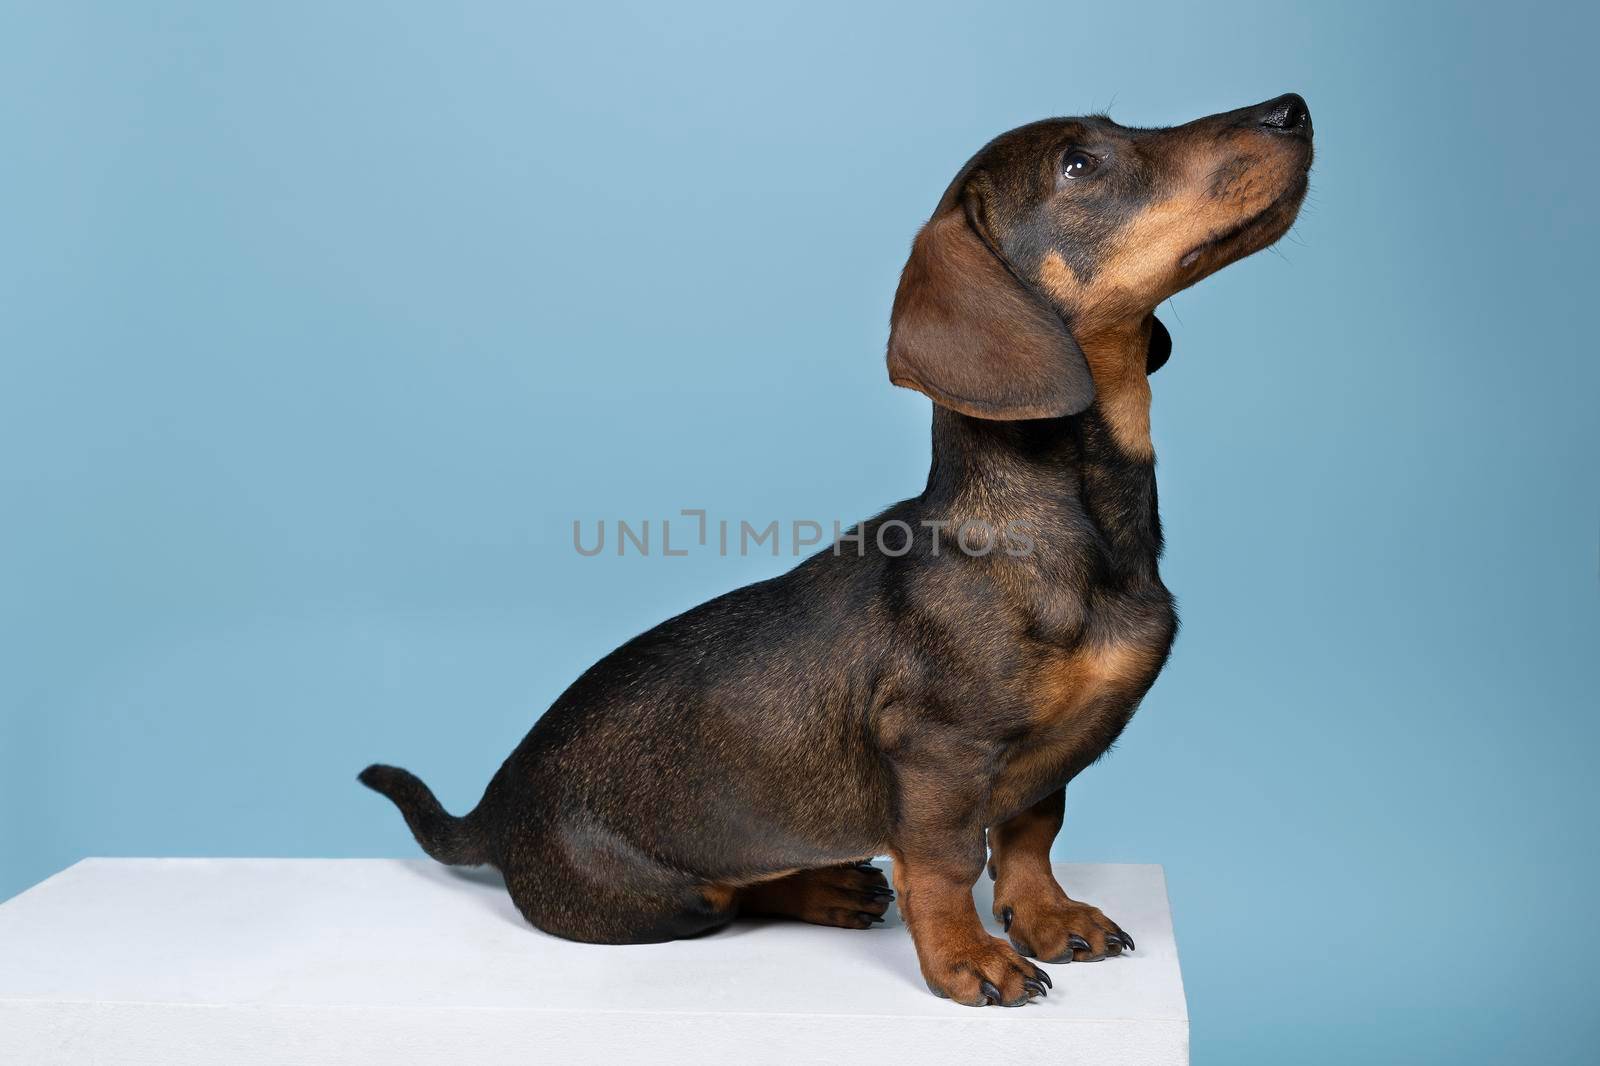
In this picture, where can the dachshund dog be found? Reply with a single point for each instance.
(927, 687)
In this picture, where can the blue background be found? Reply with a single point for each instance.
(321, 323)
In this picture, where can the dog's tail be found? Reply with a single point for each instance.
(447, 838)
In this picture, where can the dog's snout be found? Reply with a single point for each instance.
(1287, 114)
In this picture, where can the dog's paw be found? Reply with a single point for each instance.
(1062, 930)
(853, 896)
(984, 972)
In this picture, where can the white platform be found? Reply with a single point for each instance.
(167, 962)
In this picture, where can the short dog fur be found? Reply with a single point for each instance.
(922, 698)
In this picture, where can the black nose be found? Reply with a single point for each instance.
(1287, 114)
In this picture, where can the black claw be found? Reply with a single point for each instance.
(1005, 918)
(1041, 975)
(1077, 943)
(1035, 987)
(881, 893)
(870, 919)
(1126, 939)
(988, 989)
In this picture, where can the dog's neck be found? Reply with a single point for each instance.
(1118, 354)
(1044, 474)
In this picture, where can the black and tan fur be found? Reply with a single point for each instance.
(749, 755)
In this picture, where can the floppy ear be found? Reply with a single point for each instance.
(968, 334)
(1160, 347)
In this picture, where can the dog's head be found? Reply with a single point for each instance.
(1065, 234)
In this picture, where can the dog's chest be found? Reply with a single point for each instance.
(1079, 700)
(1069, 687)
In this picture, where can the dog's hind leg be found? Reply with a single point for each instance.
(594, 887)
(853, 895)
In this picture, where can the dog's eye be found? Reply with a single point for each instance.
(1077, 164)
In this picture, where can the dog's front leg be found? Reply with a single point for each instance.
(1039, 916)
(938, 855)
